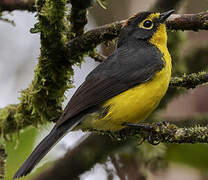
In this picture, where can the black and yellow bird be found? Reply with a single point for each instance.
(126, 87)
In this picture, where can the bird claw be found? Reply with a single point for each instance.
(147, 127)
(153, 140)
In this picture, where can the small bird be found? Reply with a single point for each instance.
(125, 88)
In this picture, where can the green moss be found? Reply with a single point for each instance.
(190, 81)
(7, 120)
(43, 99)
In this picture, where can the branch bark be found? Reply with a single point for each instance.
(190, 81)
(167, 133)
(78, 17)
(11, 5)
(92, 38)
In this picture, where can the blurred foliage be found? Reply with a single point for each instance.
(6, 19)
(199, 55)
(176, 40)
(194, 155)
(18, 148)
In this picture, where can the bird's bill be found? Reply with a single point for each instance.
(165, 15)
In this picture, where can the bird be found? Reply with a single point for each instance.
(126, 87)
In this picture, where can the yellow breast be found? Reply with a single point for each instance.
(134, 105)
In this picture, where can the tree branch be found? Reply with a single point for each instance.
(190, 81)
(167, 133)
(11, 5)
(190, 122)
(78, 17)
(92, 38)
(193, 22)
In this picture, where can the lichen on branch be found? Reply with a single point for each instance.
(189, 81)
(167, 133)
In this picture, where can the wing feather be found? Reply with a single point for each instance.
(113, 77)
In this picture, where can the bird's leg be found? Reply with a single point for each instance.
(145, 127)
(150, 129)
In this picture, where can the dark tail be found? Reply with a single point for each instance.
(42, 149)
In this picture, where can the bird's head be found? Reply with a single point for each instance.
(145, 26)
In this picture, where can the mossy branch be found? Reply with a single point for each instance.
(190, 81)
(166, 133)
(78, 17)
(43, 99)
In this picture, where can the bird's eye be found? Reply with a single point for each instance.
(147, 24)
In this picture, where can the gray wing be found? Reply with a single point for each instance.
(120, 72)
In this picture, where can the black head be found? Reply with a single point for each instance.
(142, 26)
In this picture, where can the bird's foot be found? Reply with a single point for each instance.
(150, 130)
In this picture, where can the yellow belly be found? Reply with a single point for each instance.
(133, 105)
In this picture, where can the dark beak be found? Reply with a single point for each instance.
(165, 15)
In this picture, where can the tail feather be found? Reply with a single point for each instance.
(42, 149)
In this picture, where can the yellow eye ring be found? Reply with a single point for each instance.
(146, 24)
